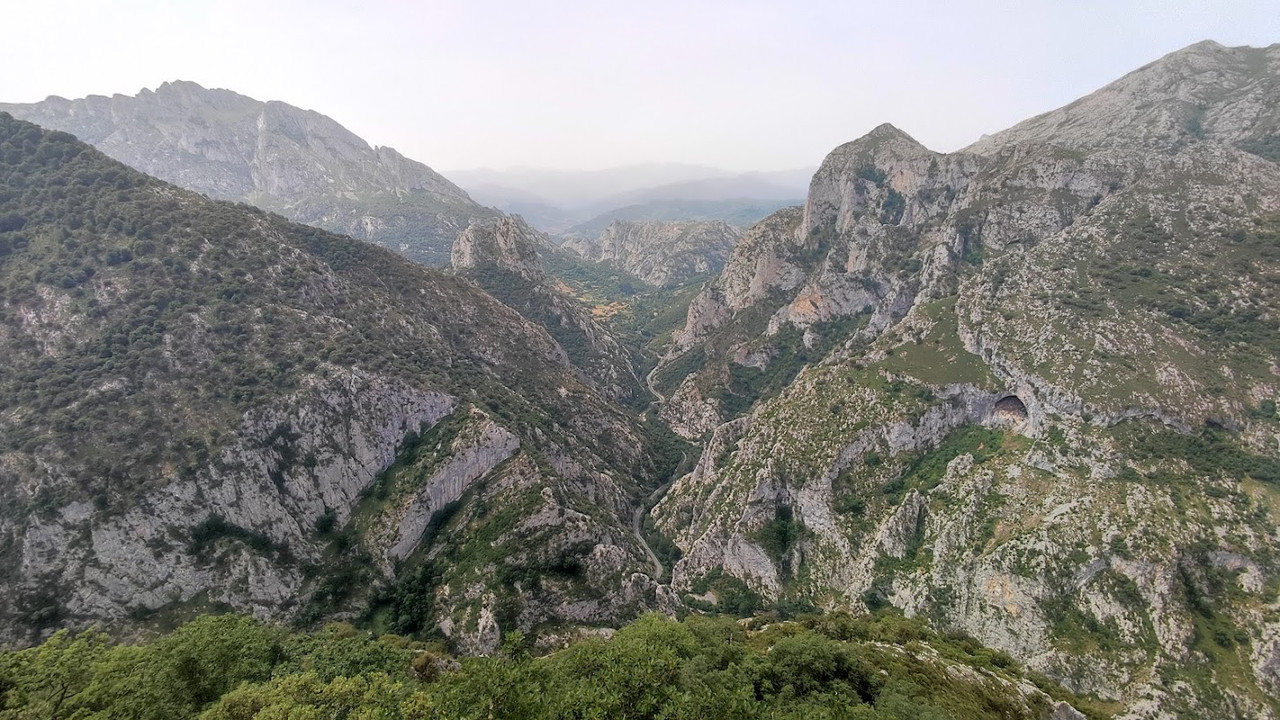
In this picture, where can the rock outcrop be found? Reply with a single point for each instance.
(506, 244)
(661, 253)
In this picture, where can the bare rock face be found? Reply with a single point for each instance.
(131, 563)
(296, 162)
(688, 413)
(507, 243)
(661, 253)
(1202, 92)
(470, 457)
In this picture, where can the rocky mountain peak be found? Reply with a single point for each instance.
(1204, 91)
(885, 160)
(507, 243)
(884, 142)
(888, 132)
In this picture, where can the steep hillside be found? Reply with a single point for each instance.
(1027, 390)
(296, 162)
(663, 254)
(1204, 92)
(204, 406)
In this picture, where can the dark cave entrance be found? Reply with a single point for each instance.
(1011, 409)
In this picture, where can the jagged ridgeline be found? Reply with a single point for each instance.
(204, 406)
(1027, 390)
(296, 162)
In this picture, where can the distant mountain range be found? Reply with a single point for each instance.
(296, 162)
(562, 201)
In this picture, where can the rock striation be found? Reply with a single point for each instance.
(507, 244)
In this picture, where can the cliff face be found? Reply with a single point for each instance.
(508, 244)
(206, 406)
(662, 253)
(1011, 390)
(296, 162)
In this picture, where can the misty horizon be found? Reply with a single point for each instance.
(574, 87)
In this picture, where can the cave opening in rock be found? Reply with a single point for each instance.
(1011, 409)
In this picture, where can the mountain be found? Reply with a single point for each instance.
(1205, 91)
(663, 254)
(1025, 393)
(296, 162)
(1026, 390)
(206, 407)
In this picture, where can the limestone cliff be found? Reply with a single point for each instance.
(507, 244)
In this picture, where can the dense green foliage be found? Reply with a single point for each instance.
(747, 385)
(232, 668)
(564, 318)
(1212, 452)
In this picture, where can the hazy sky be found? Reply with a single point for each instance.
(545, 83)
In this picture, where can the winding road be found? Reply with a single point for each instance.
(659, 398)
(637, 518)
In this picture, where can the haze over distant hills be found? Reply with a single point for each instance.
(556, 200)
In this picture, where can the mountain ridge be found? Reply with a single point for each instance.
(297, 162)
